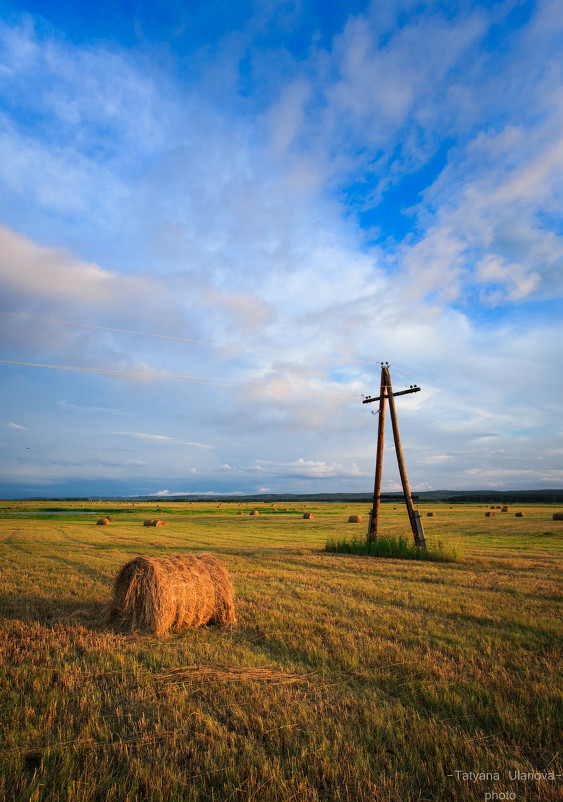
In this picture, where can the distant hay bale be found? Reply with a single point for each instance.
(430, 514)
(489, 515)
(163, 594)
(355, 519)
(308, 515)
(102, 522)
(505, 508)
(239, 512)
(558, 516)
(519, 515)
(153, 522)
(254, 512)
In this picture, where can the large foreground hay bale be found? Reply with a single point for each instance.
(355, 519)
(163, 594)
(223, 608)
(558, 516)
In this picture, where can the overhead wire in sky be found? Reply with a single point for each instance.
(214, 382)
(223, 381)
(191, 340)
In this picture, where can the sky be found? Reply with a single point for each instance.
(218, 219)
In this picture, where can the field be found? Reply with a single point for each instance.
(346, 677)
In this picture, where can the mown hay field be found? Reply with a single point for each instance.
(345, 677)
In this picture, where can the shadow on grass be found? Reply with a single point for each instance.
(33, 608)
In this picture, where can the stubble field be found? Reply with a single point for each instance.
(345, 678)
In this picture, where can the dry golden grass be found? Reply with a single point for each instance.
(346, 678)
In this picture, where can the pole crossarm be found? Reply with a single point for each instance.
(412, 389)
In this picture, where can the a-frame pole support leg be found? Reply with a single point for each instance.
(414, 515)
(374, 514)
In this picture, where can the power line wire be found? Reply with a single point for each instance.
(214, 382)
(190, 340)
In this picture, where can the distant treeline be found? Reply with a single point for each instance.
(510, 497)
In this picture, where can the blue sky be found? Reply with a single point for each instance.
(224, 216)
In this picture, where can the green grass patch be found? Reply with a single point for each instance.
(397, 547)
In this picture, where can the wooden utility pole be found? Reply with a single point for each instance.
(386, 391)
(374, 517)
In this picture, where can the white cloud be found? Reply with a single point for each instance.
(316, 469)
(143, 436)
(31, 272)
(69, 407)
(13, 425)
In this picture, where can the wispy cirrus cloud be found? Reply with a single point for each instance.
(69, 407)
(145, 436)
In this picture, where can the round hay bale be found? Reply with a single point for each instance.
(489, 515)
(308, 515)
(109, 518)
(163, 594)
(148, 522)
(505, 508)
(239, 512)
(224, 607)
(158, 522)
(102, 522)
(519, 515)
(196, 597)
(254, 512)
(355, 519)
(558, 516)
(430, 514)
